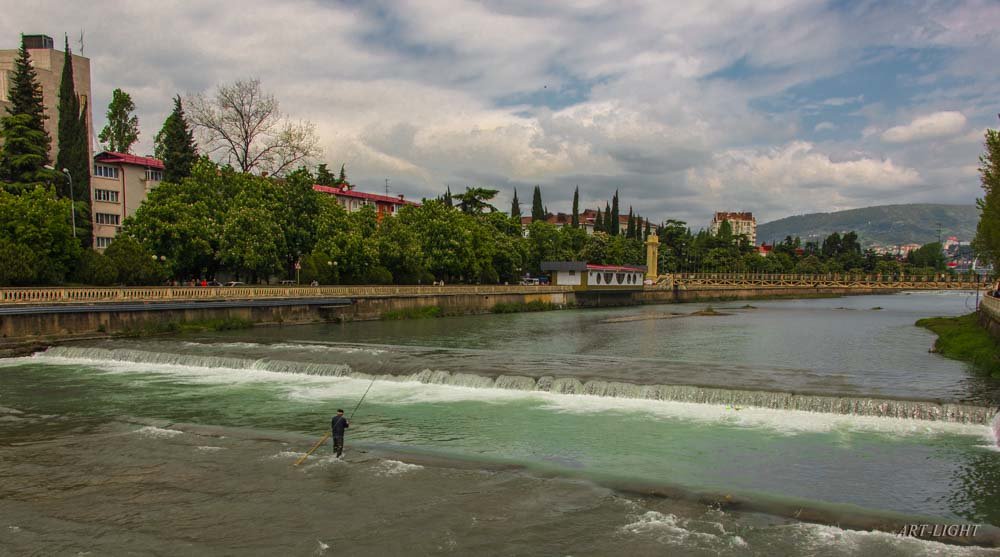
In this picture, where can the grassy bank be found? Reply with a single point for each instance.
(962, 338)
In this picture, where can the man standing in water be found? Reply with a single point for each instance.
(338, 425)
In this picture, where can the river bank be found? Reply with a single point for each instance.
(963, 338)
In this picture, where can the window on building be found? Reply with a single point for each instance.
(108, 218)
(154, 175)
(105, 171)
(109, 196)
(102, 242)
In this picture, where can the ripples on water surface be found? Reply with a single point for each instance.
(75, 458)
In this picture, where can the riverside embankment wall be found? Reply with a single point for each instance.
(55, 320)
(989, 315)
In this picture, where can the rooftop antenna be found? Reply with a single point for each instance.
(387, 187)
(80, 41)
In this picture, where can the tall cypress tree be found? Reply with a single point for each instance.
(615, 221)
(447, 198)
(575, 222)
(649, 231)
(537, 209)
(630, 230)
(174, 145)
(607, 218)
(515, 207)
(599, 222)
(74, 146)
(25, 148)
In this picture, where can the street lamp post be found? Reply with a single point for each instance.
(72, 202)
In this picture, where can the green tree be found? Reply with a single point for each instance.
(575, 222)
(122, 129)
(324, 177)
(615, 219)
(447, 198)
(476, 200)
(515, 207)
(630, 227)
(599, 222)
(537, 209)
(183, 220)
(987, 240)
(36, 240)
(94, 268)
(928, 255)
(175, 146)
(608, 227)
(342, 179)
(74, 148)
(134, 264)
(24, 150)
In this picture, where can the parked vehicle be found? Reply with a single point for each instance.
(288, 282)
(236, 283)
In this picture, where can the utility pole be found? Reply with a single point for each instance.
(387, 187)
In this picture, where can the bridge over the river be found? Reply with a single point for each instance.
(702, 281)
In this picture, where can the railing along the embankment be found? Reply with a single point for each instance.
(833, 280)
(41, 296)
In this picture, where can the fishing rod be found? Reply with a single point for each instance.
(327, 434)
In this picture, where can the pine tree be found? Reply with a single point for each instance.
(122, 129)
(74, 147)
(174, 145)
(607, 218)
(615, 221)
(515, 207)
(599, 222)
(447, 198)
(342, 179)
(630, 230)
(324, 177)
(575, 222)
(537, 209)
(25, 148)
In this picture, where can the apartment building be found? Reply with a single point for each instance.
(742, 224)
(119, 184)
(352, 200)
(48, 64)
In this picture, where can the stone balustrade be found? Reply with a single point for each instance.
(44, 296)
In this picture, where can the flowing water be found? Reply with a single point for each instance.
(785, 427)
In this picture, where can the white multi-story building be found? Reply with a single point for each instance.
(120, 183)
(743, 224)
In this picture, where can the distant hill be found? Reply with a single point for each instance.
(884, 224)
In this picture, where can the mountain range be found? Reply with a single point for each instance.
(885, 225)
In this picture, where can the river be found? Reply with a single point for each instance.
(761, 428)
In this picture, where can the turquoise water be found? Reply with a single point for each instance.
(855, 467)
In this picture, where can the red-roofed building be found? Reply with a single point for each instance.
(587, 275)
(119, 183)
(765, 249)
(354, 200)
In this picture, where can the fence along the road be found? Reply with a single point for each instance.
(180, 293)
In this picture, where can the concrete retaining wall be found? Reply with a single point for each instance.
(989, 315)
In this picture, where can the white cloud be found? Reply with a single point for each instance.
(932, 126)
(823, 126)
(796, 176)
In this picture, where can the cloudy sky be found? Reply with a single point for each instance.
(776, 107)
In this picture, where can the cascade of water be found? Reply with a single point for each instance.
(996, 428)
(865, 406)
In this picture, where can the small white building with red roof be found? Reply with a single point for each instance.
(119, 183)
(587, 275)
(353, 200)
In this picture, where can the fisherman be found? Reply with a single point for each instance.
(338, 425)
